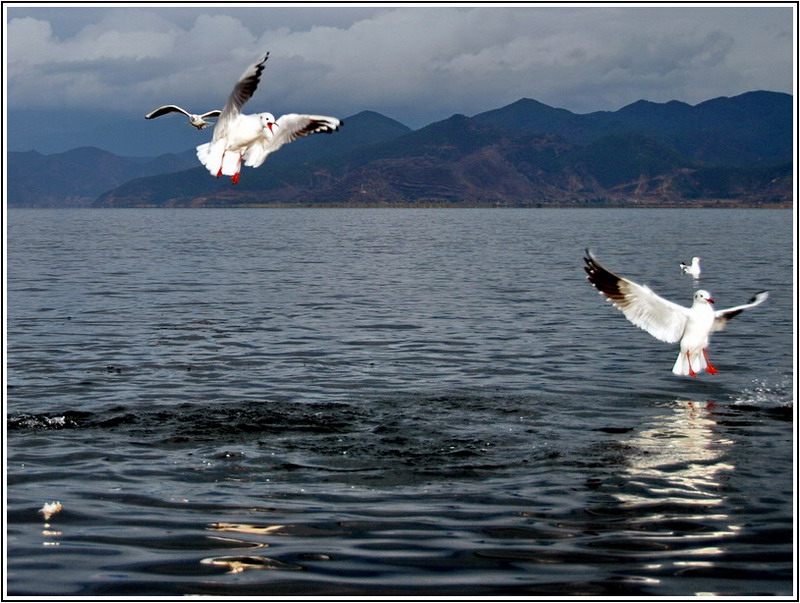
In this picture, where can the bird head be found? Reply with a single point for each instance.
(197, 121)
(701, 296)
(267, 121)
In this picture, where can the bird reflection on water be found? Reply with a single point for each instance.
(675, 490)
(680, 458)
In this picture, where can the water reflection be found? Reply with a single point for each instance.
(679, 459)
(236, 564)
(674, 490)
(246, 528)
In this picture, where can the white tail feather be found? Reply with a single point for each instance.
(211, 157)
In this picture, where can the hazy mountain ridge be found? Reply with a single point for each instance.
(754, 127)
(77, 177)
(722, 151)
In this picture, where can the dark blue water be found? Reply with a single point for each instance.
(392, 402)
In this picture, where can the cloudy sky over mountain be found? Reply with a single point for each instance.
(78, 76)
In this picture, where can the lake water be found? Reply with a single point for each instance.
(392, 402)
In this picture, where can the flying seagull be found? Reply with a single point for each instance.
(251, 138)
(693, 268)
(667, 321)
(198, 121)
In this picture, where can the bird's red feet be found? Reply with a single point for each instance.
(219, 173)
(710, 368)
(235, 177)
(689, 362)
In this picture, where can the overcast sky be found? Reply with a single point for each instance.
(81, 66)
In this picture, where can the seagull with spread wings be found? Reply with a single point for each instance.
(665, 320)
(240, 137)
(198, 121)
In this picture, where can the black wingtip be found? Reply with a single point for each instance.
(605, 281)
(587, 259)
(590, 261)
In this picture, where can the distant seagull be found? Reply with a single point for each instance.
(198, 121)
(251, 138)
(693, 269)
(664, 320)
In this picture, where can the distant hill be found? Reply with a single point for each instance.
(750, 129)
(292, 166)
(725, 151)
(75, 178)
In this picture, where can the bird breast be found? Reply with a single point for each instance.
(698, 326)
(244, 132)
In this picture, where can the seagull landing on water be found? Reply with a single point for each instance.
(251, 138)
(198, 121)
(664, 320)
(693, 268)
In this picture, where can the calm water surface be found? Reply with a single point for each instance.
(392, 402)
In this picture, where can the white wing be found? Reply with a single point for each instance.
(256, 153)
(241, 93)
(166, 109)
(289, 128)
(721, 317)
(661, 318)
(293, 126)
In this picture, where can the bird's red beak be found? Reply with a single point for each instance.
(710, 301)
(270, 128)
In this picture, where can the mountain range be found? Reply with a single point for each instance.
(728, 151)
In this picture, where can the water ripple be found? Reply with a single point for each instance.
(411, 403)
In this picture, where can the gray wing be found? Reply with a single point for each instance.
(661, 318)
(166, 109)
(214, 113)
(242, 91)
(245, 87)
(721, 317)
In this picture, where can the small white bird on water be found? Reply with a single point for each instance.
(251, 138)
(198, 121)
(667, 321)
(693, 268)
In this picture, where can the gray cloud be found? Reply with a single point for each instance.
(413, 64)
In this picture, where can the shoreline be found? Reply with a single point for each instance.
(489, 206)
(576, 206)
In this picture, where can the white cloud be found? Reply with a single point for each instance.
(415, 64)
(440, 61)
